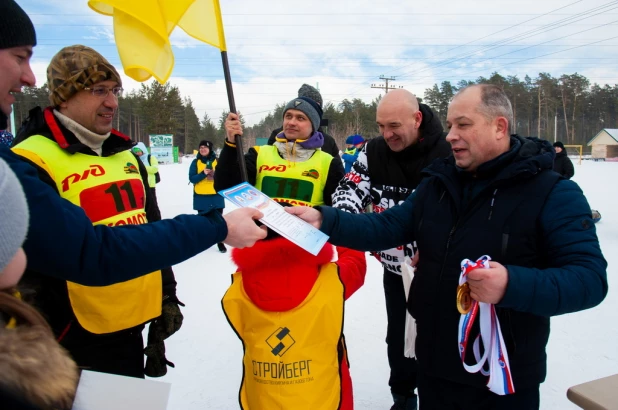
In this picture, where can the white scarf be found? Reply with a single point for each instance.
(90, 139)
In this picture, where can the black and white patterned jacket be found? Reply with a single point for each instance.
(385, 178)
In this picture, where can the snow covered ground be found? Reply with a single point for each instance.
(583, 346)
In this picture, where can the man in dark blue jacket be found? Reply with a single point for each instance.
(497, 196)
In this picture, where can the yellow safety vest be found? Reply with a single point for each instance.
(111, 192)
(205, 186)
(291, 358)
(299, 183)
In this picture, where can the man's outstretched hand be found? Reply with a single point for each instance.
(307, 214)
(242, 230)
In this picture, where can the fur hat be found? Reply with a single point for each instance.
(309, 107)
(13, 214)
(559, 144)
(32, 364)
(310, 92)
(74, 68)
(16, 28)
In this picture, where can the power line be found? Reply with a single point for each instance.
(481, 38)
(343, 14)
(363, 45)
(338, 25)
(548, 27)
(549, 41)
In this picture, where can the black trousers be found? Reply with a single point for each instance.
(119, 353)
(403, 370)
(440, 394)
(155, 207)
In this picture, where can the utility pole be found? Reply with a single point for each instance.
(385, 86)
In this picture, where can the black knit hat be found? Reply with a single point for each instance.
(559, 144)
(205, 143)
(16, 28)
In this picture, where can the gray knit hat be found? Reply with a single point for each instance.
(308, 106)
(13, 215)
(310, 92)
(16, 28)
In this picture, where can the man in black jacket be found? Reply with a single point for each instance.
(387, 170)
(562, 162)
(330, 145)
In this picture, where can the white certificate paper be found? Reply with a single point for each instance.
(289, 226)
(102, 391)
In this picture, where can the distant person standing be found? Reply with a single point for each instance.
(353, 143)
(152, 168)
(202, 176)
(562, 163)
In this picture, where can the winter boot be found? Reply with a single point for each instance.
(403, 402)
(221, 247)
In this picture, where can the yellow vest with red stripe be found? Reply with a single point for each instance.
(111, 192)
(205, 186)
(291, 358)
(299, 183)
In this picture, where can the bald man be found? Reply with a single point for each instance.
(388, 169)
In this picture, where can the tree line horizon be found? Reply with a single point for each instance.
(569, 106)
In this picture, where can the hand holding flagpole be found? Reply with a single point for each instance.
(142, 29)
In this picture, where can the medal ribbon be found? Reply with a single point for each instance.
(495, 354)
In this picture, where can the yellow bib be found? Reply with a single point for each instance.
(291, 358)
(111, 192)
(299, 183)
(205, 186)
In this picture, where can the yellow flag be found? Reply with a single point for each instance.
(142, 29)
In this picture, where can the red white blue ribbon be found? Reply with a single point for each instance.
(495, 354)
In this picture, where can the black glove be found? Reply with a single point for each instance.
(170, 320)
(156, 362)
(160, 329)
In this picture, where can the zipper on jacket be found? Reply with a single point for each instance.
(469, 210)
(491, 205)
(448, 243)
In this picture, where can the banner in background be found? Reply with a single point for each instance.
(161, 146)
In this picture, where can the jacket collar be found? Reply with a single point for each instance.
(526, 157)
(430, 132)
(44, 122)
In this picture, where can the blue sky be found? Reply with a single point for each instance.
(344, 46)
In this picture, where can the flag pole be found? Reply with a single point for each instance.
(230, 92)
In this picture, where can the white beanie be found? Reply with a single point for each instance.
(13, 215)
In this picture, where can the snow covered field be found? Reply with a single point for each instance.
(583, 346)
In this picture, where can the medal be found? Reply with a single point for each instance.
(494, 362)
(464, 301)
